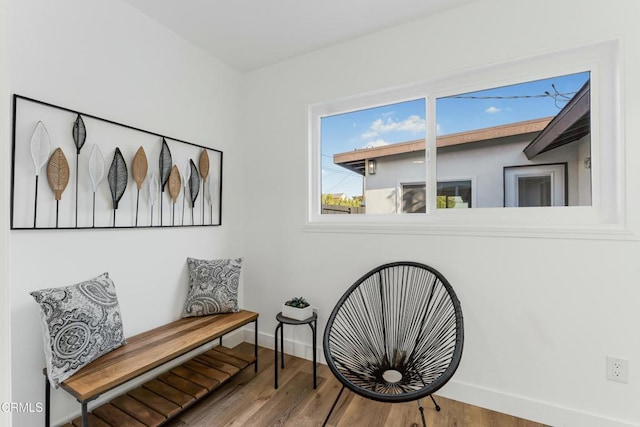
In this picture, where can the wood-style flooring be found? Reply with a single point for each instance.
(251, 400)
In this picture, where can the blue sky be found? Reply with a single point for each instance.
(405, 121)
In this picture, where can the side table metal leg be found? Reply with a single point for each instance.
(282, 345)
(255, 345)
(313, 325)
(275, 352)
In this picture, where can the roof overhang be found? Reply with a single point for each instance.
(356, 160)
(570, 124)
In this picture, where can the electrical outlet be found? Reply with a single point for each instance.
(617, 369)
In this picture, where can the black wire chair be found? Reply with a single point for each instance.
(396, 335)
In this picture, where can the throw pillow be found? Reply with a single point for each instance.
(80, 323)
(213, 286)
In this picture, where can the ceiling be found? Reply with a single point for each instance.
(249, 34)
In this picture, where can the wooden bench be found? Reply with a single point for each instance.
(159, 400)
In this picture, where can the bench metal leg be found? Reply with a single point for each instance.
(85, 416)
(47, 402)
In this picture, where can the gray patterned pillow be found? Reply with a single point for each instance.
(213, 287)
(80, 323)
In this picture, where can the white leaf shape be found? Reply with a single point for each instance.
(96, 167)
(211, 190)
(185, 174)
(40, 147)
(153, 188)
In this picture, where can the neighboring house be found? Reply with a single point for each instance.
(541, 162)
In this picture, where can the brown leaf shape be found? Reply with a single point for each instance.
(58, 172)
(174, 183)
(139, 167)
(204, 164)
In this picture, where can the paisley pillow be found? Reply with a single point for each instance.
(213, 286)
(80, 323)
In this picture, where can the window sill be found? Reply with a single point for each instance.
(431, 226)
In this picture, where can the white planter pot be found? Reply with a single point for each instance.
(297, 313)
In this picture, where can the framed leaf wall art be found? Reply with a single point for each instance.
(73, 170)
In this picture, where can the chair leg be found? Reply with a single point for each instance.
(421, 409)
(434, 402)
(333, 407)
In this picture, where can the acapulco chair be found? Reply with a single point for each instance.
(396, 335)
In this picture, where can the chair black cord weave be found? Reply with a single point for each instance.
(396, 335)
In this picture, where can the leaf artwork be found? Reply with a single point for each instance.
(185, 174)
(118, 178)
(165, 169)
(40, 149)
(96, 167)
(174, 189)
(165, 164)
(58, 173)
(204, 165)
(194, 186)
(174, 184)
(96, 173)
(204, 172)
(79, 133)
(152, 186)
(139, 168)
(58, 176)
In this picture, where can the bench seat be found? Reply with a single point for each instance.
(164, 397)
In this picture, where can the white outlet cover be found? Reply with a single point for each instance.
(617, 370)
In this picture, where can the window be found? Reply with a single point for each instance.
(473, 148)
(535, 186)
(454, 194)
(414, 198)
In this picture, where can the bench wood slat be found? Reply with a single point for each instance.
(115, 417)
(178, 397)
(217, 364)
(226, 358)
(151, 349)
(184, 385)
(195, 377)
(137, 410)
(156, 402)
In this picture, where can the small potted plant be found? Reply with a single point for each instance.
(297, 308)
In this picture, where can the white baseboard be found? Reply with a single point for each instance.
(519, 406)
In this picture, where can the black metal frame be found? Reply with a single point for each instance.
(17, 97)
(442, 312)
(84, 403)
(282, 320)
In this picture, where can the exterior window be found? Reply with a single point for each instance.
(535, 186)
(454, 194)
(414, 198)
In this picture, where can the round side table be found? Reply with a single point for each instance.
(282, 320)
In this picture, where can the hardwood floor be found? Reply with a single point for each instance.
(250, 400)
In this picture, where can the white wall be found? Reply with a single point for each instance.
(5, 386)
(106, 59)
(541, 313)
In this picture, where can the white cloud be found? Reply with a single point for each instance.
(370, 134)
(413, 124)
(377, 143)
(492, 110)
